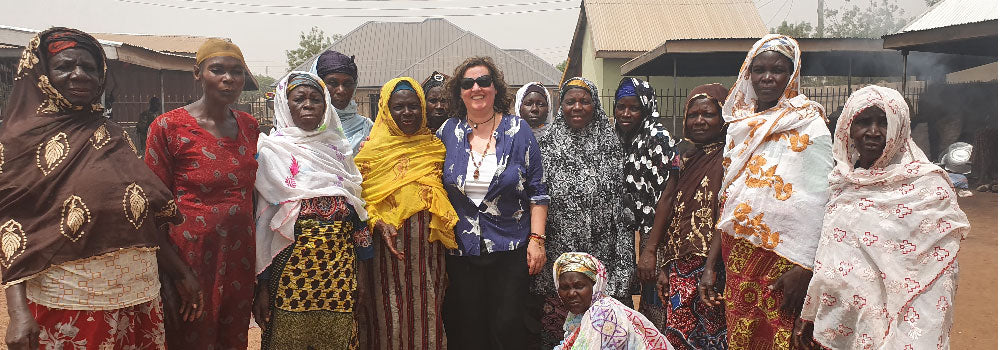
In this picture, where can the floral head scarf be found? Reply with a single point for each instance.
(899, 147)
(776, 163)
(583, 263)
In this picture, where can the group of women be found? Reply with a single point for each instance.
(432, 226)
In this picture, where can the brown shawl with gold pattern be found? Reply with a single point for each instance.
(696, 205)
(71, 184)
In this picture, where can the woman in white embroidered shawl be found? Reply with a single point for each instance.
(310, 223)
(886, 271)
(776, 161)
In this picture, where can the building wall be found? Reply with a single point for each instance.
(591, 67)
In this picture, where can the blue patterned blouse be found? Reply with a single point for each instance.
(503, 221)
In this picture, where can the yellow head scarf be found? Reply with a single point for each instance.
(217, 47)
(214, 47)
(402, 173)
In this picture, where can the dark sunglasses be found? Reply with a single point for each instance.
(484, 82)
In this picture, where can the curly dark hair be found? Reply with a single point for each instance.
(503, 99)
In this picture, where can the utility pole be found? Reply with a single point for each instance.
(819, 13)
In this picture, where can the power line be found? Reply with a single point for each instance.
(787, 13)
(323, 8)
(778, 11)
(765, 4)
(342, 15)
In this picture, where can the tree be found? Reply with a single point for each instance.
(562, 65)
(310, 44)
(880, 18)
(796, 30)
(264, 85)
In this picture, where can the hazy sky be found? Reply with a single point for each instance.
(264, 29)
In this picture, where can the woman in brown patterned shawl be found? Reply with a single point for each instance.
(81, 218)
(685, 219)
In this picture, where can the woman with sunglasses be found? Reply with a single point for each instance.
(493, 176)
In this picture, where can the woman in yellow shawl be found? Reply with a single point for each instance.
(401, 163)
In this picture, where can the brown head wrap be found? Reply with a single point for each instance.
(714, 92)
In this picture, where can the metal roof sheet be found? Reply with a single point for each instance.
(180, 44)
(641, 25)
(114, 50)
(953, 12)
(387, 50)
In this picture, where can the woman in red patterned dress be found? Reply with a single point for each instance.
(204, 152)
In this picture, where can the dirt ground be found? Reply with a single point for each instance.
(975, 306)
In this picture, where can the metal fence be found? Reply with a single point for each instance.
(258, 108)
(8, 67)
(670, 102)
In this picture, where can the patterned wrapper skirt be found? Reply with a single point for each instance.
(553, 317)
(753, 312)
(134, 327)
(311, 299)
(403, 310)
(690, 324)
(651, 307)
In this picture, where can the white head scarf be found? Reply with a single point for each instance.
(742, 99)
(295, 164)
(541, 130)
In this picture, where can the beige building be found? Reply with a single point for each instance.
(609, 33)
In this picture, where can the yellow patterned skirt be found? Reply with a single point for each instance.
(753, 313)
(312, 300)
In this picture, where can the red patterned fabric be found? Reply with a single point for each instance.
(403, 306)
(690, 323)
(753, 314)
(213, 180)
(137, 327)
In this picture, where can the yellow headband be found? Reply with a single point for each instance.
(218, 48)
(578, 83)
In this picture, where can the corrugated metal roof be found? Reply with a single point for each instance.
(180, 44)
(113, 49)
(641, 25)
(387, 50)
(953, 12)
